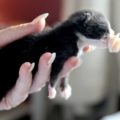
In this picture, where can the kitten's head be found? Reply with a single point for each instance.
(91, 25)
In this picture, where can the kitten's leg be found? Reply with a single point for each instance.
(51, 88)
(65, 88)
(51, 92)
(54, 77)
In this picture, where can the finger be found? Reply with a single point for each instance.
(43, 73)
(13, 33)
(39, 22)
(20, 91)
(69, 65)
(114, 44)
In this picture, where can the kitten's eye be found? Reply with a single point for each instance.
(105, 37)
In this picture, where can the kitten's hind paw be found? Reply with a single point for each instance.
(66, 93)
(51, 92)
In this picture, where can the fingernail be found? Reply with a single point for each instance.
(43, 85)
(52, 58)
(91, 48)
(44, 16)
(79, 63)
(32, 67)
(39, 89)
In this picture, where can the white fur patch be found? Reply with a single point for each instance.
(83, 41)
(51, 92)
(67, 92)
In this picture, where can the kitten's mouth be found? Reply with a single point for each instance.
(108, 38)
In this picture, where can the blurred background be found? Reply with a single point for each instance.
(95, 84)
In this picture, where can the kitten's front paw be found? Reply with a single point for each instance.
(66, 93)
(51, 92)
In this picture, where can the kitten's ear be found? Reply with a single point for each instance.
(87, 18)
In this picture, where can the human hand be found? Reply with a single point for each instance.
(8, 35)
(25, 85)
(114, 43)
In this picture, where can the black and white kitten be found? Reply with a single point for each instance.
(85, 27)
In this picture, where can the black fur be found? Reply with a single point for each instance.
(61, 39)
(91, 24)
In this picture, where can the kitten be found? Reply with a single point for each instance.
(68, 39)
